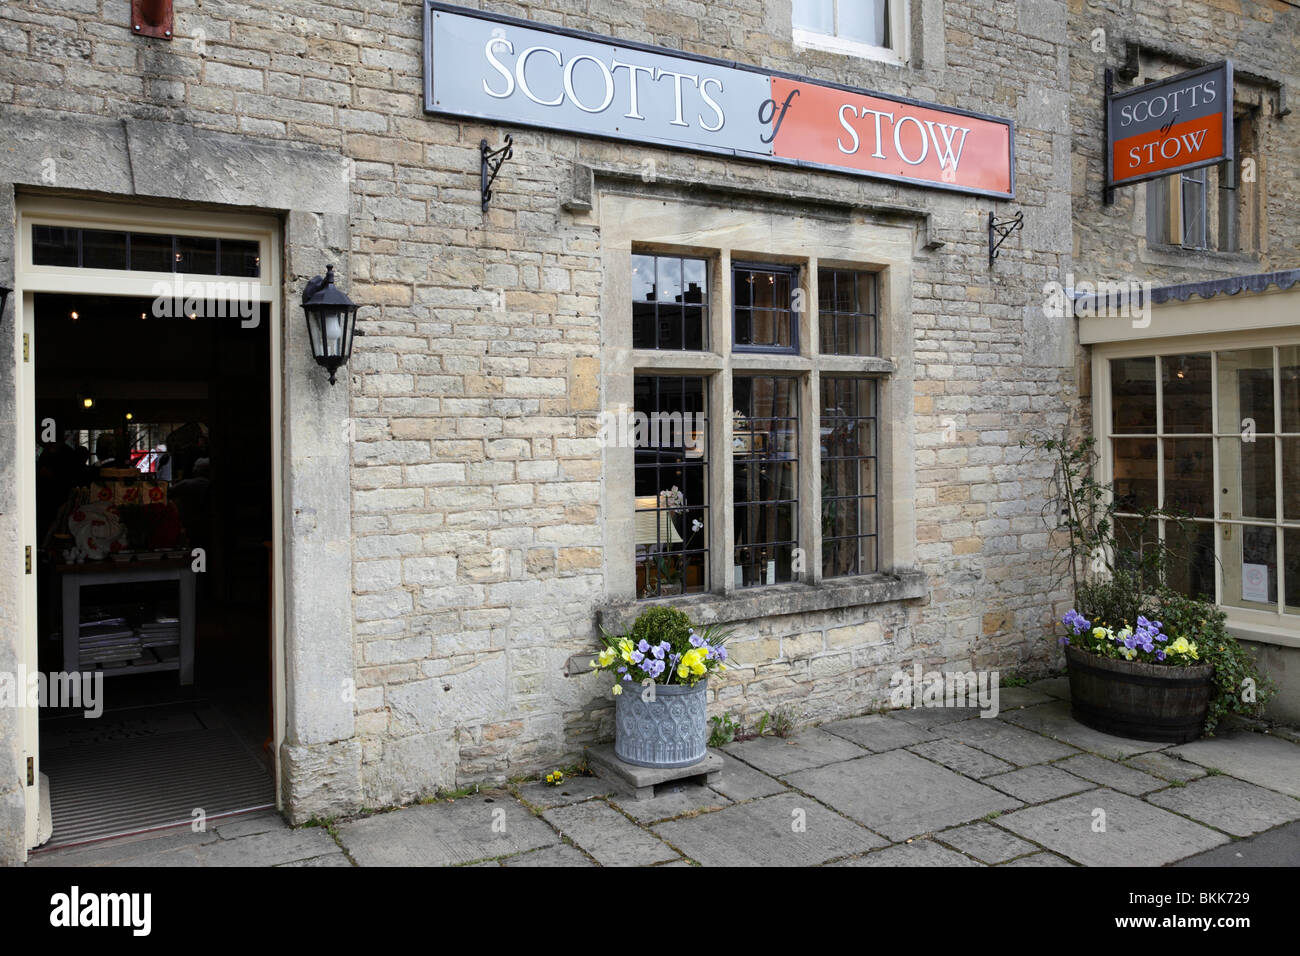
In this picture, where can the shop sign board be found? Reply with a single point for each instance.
(1170, 126)
(514, 72)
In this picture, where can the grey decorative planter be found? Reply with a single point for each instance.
(1138, 700)
(669, 732)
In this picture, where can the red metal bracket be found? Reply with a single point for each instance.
(152, 18)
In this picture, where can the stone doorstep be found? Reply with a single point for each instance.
(640, 782)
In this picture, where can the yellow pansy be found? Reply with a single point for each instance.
(607, 657)
(1099, 633)
(618, 689)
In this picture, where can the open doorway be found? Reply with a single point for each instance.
(154, 560)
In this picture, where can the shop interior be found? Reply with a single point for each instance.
(153, 562)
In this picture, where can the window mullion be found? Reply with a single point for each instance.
(722, 488)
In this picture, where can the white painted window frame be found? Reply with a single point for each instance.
(1277, 627)
(897, 53)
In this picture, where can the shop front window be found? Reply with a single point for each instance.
(1213, 438)
(800, 421)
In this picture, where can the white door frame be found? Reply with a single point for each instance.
(30, 279)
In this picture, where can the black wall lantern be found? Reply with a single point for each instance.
(4, 297)
(331, 322)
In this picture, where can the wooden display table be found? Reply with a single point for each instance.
(77, 576)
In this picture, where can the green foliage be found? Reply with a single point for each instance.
(662, 624)
(1116, 579)
(1240, 687)
(724, 730)
(783, 721)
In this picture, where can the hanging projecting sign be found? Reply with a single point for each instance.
(512, 71)
(1177, 124)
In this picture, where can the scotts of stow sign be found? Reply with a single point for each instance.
(516, 72)
(1177, 124)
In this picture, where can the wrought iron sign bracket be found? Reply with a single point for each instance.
(1002, 228)
(492, 161)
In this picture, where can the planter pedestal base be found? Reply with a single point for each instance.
(640, 782)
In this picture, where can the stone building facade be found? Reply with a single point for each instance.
(454, 529)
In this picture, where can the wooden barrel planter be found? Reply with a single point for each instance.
(1138, 700)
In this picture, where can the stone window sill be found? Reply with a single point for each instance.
(749, 605)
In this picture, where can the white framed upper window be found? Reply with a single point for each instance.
(874, 29)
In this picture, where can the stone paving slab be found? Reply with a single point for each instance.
(330, 859)
(1038, 784)
(672, 800)
(439, 834)
(248, 824)
(766, 832)
(1054, 720)
(559, 855)
(780, 756)
(1136, 833)
(1280, 847)
(124, 850)
(1010, 698)
(573, 790)
(739, 781)
(1108, 773)
(1040, 859)
(928, 718)
(986, 842)
(1058, 687)
(1013, 744)
(957, 756)
(611, 838)
(900, 794)
(916, 853)
(1263, 760)
(269, 849)
(1165, 765)
(1231, 805)
(878, 733)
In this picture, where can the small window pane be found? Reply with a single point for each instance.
(849, 489)
(1289, 364)
(865, 21)
(1291, 545)
(195, 254)
(1246, 392)
(847, 312)
(816, 16)
(152, 253)
(765, 443)
(1194, 209)
(242, 258)
(669, 302)
(1189, 555)
(1136, 478)
(1249, 557)
(764, 318)
(671, 518)
(1291, 481)
(1189, 476)
(1249, 478)
(53, 246)
(1186, 382)
(103, 250)
(1133, 396)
